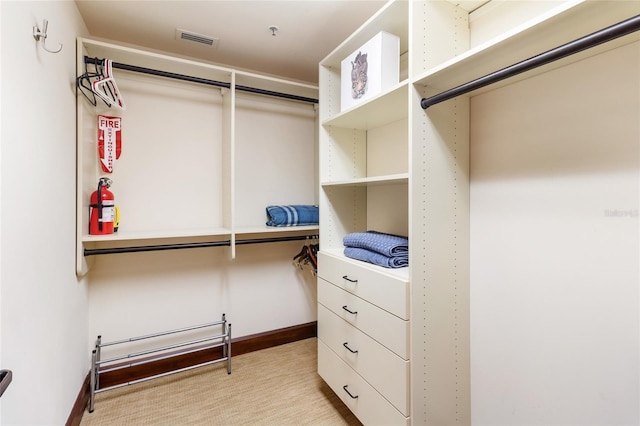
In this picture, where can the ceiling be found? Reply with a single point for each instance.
(307, 31)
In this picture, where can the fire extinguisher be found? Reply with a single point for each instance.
(102, 210)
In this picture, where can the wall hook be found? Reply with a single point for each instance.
(42, 35)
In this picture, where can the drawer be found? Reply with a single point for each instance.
(385, 371)
(389, 330)
(369, 406)
(369, 282)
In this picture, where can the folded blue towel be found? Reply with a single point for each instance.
(386, 244)
(293, 215)
(376, 258)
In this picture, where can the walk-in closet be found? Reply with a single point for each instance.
(433, 222)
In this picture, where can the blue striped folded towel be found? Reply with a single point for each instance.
(292, 215)
(376, 258)
(386, 244)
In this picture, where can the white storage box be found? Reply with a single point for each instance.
(370, 70)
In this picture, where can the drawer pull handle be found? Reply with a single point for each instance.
(346, 345)
(347, 309)
(344, 277)
(349, 393)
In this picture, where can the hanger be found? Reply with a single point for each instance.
(100, 83)
(308, 255)
(108, 83)
(84, 81)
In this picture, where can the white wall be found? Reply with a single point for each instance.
(140, 293)
(44, 307)
(555, 167)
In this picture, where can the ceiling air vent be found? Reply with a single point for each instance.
(195, 37)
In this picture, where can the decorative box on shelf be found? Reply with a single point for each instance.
(370, 70)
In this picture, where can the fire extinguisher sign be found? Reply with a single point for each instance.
(109, 141)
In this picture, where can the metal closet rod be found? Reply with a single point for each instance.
(604, 35)
(199, 80)
(114, 250)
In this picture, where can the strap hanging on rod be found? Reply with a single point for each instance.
(594, 39)
(199, 80)
(114, 250)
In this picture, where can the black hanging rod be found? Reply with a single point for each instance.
(199, 80)
(114, 250)
(604, 35)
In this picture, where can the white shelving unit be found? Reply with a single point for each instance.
(190, 173)
(364, 175)
(389, 165)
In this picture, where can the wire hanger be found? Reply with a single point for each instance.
(84, 81)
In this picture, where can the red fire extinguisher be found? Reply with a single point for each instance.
(102, 213)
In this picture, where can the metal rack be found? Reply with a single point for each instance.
(100, 366)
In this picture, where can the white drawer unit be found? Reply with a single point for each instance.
(363, 338)
(361, 398)
(384, 370)
(387, 329)
(368, 282)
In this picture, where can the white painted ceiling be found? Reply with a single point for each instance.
(308, 30)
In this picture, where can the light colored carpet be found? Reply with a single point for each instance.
(275, 386)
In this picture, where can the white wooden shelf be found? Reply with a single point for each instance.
(576, 19)
(137, 56)
(371, 181)
(152, 235)
(284, 230)
(392, 18)
(189, 233)
(385, 108)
